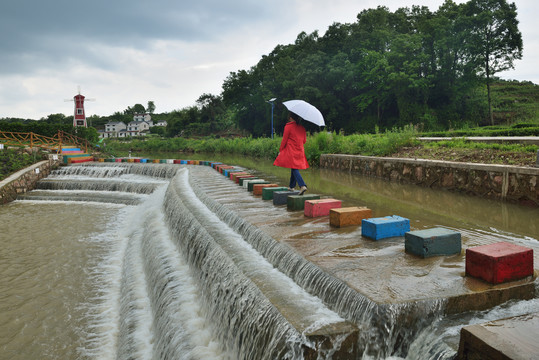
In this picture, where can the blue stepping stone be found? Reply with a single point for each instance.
(384, 227)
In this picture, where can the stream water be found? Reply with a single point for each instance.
(140, 262)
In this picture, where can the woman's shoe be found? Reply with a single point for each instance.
(302, 190)
(290, 189)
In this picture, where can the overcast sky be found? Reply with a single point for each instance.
(168, 51)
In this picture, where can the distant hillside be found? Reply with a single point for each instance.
(515, 101)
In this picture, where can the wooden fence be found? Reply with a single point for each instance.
(32, 140)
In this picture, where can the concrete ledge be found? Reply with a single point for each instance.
(502, 182)
(512, 338)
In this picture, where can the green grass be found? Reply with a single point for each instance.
(464, 144)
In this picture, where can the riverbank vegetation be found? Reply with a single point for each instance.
(15, 159)
(396, 142)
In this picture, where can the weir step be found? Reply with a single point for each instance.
(511, 338)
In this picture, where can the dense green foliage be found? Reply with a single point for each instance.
(387, 69)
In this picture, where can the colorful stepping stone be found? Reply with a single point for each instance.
(281, 197)
(297, 202)
(432, 242)
(348, 216)
(257, 188)
(500, 262)
(384, 227)
(251, 184)
(267, 193)
(320, 207)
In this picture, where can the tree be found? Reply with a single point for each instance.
(495, 41)
(151, 107)
(136, 109)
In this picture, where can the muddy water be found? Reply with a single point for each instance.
(49, 251)
(46, 250)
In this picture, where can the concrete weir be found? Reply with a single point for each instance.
(274, 283)
(379, 270)
(273, 309)
(399, 291)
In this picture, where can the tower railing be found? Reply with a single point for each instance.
(55, 143)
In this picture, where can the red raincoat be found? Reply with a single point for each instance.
(291, 153)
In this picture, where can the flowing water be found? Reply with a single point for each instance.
(134, 261)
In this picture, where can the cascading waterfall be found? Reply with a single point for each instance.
(384, 329)
(89, 171)
(182, 276)
(249, 324)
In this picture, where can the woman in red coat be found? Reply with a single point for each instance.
(291, 153)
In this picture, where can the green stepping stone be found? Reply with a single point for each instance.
(297, 202)
(267, 193)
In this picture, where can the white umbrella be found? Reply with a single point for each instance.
(306, 111)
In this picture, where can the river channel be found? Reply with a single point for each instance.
(76, 267)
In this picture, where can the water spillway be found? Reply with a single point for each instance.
(195, 267)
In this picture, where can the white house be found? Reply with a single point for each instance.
(113, 128)
(162, 123)
(143, 117)
(137, 128)
(140, 126)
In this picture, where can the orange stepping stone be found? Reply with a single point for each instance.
(349, 216)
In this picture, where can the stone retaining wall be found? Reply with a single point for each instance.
(502, 182)
(26, 179)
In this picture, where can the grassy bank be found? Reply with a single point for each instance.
(397, 143)
(13, 160)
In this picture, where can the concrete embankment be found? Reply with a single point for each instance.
(500, 182)
(26, 179)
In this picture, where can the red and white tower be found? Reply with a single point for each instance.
(79, 119)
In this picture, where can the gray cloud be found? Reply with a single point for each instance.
(45, 33)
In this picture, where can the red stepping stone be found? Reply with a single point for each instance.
(499, 262)
(320, 207)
